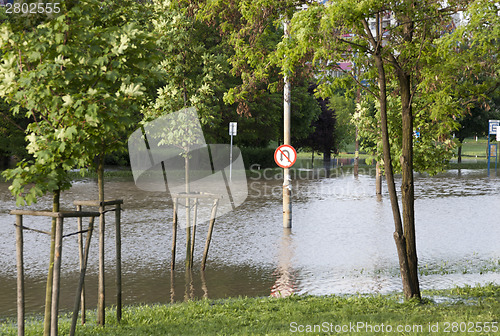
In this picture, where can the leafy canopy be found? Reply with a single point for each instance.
(80, 77)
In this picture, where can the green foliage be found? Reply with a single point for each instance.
(337, 32)
(192, 62)
(344, 108)
(431, 148)
(305, 111)
(12, 141)
(264, 157)
(80, 78)
(366, 118)
(252, 30)
(465, 75)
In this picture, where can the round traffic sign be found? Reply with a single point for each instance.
(285, 156)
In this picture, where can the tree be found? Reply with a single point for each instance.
(396, 42)
(465, 76)
(323, 139)
(79, 76)
(251, 30)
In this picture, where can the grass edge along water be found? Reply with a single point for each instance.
(457, 311)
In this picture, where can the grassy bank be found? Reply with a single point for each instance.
(443, 313)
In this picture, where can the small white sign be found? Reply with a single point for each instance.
(233, 126)
(493, 126)
(497, 130)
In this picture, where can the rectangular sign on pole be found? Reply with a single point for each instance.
(493, 150)
(493, 126)
(233, 128)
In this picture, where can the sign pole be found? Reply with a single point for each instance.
(489, 150)
(233, 126)
(493, 129)
(231, 161)
(287, 187)
(497, 128)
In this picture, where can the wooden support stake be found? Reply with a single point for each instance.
(195, 213)
(56, 277)
(80, 254)
(20, 275)
(188, 234)
(209, 235)
(81, 282)
(174, 235)
(101, 285)
(49, 285)
(118, 244)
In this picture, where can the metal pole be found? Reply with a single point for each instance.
(496, 157)
(231, 160)
(287, 187)
(489, 151)
(356, 143)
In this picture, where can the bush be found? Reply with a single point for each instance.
(251, 155)
(119, 159)
(261, 156)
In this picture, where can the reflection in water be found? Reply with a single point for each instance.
(172, 286)
(189, 286)
(285, 279)
(204, 284)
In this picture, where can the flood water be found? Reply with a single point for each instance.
(341, 241)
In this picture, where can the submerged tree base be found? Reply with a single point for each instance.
(441, 312)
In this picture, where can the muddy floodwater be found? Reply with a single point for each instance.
(341, 241)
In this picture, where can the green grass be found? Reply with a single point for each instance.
(473, 148)
(271, 316)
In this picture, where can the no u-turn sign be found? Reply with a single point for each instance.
(285, 156)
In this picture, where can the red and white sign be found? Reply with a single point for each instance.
(285, 156)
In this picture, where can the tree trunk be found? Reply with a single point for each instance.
(407, 185)
(459, 159)
(327, 161)
(378, 179)
(391, 186)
